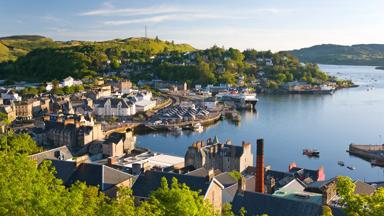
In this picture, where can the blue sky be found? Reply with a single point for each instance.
(263, 25)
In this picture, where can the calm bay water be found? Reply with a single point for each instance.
(290, 123)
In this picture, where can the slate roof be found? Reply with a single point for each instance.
(302, 173)
(125, 102)
(225, 179)
(202, 172)
(363, 188)
(317, 187)
(92, 174)
(258, 204)
(115, 137)
(151, 180)
(55, 153)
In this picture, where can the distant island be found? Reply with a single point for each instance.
(379, 68)
(360, 54)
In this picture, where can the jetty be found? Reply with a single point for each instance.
(372, 153)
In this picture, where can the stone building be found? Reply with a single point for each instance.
(125, 86)
(208, 187)
(71, 132)
(9, 111)
(118, 143)
(24, 109)
(216, 155)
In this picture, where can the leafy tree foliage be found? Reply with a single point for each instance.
(29, 189)
(355, 204)
(177, 199)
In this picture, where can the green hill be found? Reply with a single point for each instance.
(38, 58)
(360, 54)
(13, 47)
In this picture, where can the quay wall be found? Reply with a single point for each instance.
(366, 151)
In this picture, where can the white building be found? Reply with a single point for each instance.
(48, 86)
(144, 105)
(114, 107)
(67, 82)
(144, 95)
(10, 95)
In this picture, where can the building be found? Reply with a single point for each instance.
(114, 107)
(9, 111)
(208, 187)
(140, 160)
(107, 179)
(307, 175)
(48, 86)
(67, 82)
(7, 94)
(125, 86)
(117, 144)
(59, 153)
(24, 109)
(71, 131)
(100, 92)
(144, 95)
(145, 105)
(210, 103)
(259, 203)
(215, 155)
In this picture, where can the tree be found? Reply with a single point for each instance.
(355, 204)
(235, 174)
(327, 211)
(227, 210)
(18, 144)
(177, 200)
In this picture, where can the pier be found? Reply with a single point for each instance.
(368, 152)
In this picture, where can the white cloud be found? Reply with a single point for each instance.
(110, 10)
(154, 19)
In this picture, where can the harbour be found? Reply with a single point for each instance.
(291, 123)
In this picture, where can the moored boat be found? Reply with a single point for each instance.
(198, 127)
(341, 163)
(311, 152)
(351, 167)
(175, 129)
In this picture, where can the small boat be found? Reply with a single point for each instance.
(175, 129)
(341, 163)
(198, 127)
(311, 152)
(351, 167)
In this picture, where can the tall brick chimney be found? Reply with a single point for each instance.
(259, 186)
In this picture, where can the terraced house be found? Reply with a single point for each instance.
(120, 108)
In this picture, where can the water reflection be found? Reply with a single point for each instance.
(291, 123)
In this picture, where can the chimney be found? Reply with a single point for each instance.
(259, 186)
(320, 174)
(291, 166)
(81, 159)
(211, 174)
(241, 184)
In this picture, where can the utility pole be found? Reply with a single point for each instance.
(146, 36)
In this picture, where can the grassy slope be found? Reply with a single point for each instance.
(14, 47)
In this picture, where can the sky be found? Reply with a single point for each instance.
(263, 25)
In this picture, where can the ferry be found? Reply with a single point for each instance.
(311, 152)
(341, 163)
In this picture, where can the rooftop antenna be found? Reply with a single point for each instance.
(146, 31)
